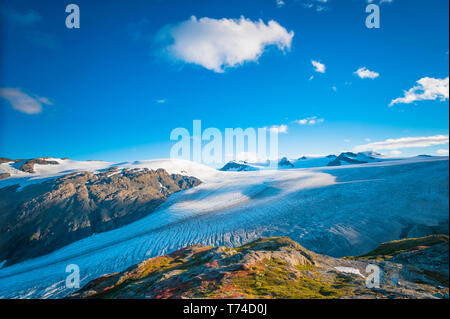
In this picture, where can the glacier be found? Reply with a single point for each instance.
(338, 211)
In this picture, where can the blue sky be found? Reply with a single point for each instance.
(116, 87)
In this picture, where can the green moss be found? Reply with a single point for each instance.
(271, 280)
(267, 244)
(154, 265)
(389, 249)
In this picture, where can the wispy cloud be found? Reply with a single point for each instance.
(161, 101)
(280, 3)
(318, 67)
(317, 5)
(43, 39)
(380, 1)
(22, 18)
(137, 30)
(217, 44)
(365, 73)
(426, 89)
(442, 152)
(404, 142)
(249, 157)
(27, 20)
(23, 102)
(281, 129)
(310, 121)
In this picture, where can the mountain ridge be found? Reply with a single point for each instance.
(43, 217)
(345, 158)
(278, 268)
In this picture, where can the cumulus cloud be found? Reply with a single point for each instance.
(23, 102)
(365, 73)
(309, 121)
(318, 67)
(217, 44)
(404, 142)
(426, 89)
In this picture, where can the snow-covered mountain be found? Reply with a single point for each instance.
(26, 172)
(334, 210)
(47, 203)
(346, 158)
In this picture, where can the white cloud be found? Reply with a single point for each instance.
(161, 101)
(396, 152)
(280, 3)
(23, 102)
(318, 67)
(318, 5)
(283, 128)
(334, 88)
(427, 89)
(380, 2)
(218, 44)
(249, 157)
(22, 18)
(365, 73)
(309, 121)
(404, 142)
(443, 152)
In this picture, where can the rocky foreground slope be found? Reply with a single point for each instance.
(281, 268)
(42, 217)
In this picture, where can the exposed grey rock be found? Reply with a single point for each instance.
(43, 217)
(5, 160)
(28, 166)
(4, 175)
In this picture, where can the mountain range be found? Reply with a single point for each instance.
(345, 158)
(106, 217)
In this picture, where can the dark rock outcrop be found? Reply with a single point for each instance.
(284, 162)
(4, 175)
(5, 160)
(346, 158)
(43, 217)
(237, 167)
(28, 166)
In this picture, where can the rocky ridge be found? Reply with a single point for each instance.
(281, 268)
(42, 217)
